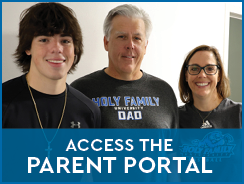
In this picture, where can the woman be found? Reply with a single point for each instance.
(204, 88)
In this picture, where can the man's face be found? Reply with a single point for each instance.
(126, 46)
(51, 56)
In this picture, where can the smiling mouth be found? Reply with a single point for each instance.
(56, 61)
(130, 57)
(202, 84)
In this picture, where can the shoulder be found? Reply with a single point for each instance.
(182, 108)
(186, 116)
(12, 87)
(11, 90)
(81, 98)
(15, 82)
(187, 108)
(229, 104)
(157, 81)
(95, 76)
(153, 78)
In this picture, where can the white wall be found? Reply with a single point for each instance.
(177, 28)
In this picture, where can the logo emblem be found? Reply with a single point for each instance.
(213, 146)
(75, 125)
(206, 124)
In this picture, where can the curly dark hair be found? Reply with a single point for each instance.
(223, 86)
(47, 19)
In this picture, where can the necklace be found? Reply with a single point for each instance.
(49, 149)
(205, 124)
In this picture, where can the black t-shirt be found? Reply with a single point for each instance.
(227, 115)
(18, 110)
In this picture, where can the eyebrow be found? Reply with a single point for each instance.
(120, 32)
(64, 35)
(205, 65)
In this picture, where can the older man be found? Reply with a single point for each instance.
(127, 96)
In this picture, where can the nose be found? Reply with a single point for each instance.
(202, 73)
(130, 44)
(56, 47)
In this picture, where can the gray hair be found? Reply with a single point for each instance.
(130, 11)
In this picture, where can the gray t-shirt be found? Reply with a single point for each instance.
(148, 102)
(227, 115)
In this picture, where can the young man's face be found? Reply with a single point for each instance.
(51, 56)
(127, 44)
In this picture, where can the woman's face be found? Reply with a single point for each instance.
(203, 85)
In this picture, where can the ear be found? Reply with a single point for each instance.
(146, 47)
(105, 42)
(74, 59)
(28, 52)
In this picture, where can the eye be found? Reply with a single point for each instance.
(121, 36)
(43, 40)
(194, 68)
(137, 38)
(66, 41)
(210, 68)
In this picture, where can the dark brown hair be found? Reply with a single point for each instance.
(47, 19)
(223, 86)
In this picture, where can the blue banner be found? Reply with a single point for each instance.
(121, 155)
